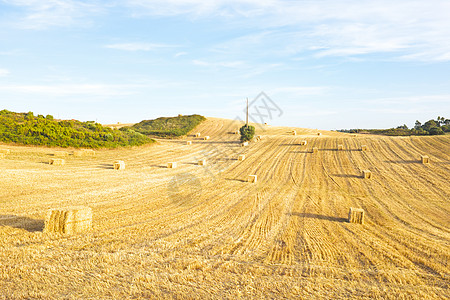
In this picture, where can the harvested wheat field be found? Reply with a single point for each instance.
(205, 232)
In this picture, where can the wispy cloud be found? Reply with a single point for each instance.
(4, 72)
(407, 29)
(429, 99)
(139, 46)
(180, 54)
(296, 91)
(37, 14)
(224, 64)
(107, 90)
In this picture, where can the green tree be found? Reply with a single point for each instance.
(418, 125)
(436, 131)
(429, 124)
(247, 132)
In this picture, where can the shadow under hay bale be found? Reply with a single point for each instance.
(234, 179)
(70, 220)
(320, 217)
(346, 175)
(29, 224)
(356, 215)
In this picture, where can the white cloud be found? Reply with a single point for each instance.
(423, 99)
(225, 64)
(408, 29)
(37, 14)
(296, 91)
(64, 90)
(4, 72)
(139, 46)
(180, 54)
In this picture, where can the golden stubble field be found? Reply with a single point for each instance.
(199, 232)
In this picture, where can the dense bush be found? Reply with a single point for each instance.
(247, 132)
(27, 129)
(167, 127)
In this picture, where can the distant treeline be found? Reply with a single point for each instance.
(167, 127)
(431, 127)
(28, 129)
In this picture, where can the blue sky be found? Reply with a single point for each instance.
(327, 64)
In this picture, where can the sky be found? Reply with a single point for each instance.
(326, 64)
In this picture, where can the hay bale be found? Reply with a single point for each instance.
(366, 174)
(363, 148)
(258, 137)
(2, 155)
(252, 178)
(425, 159)
(315, 150)
(119, 165)
(356, 215)
(188, 143)
(303, 143)
(206, 138)
(57, 161)
(294, 132)
(70, 220)
(60, 153)
(197, 134)
(202, 162)
(319, 133)
(241, 157)
(236, 131)
(88, 152)
(340, 147)
(172, 165)
(5, 151)
(244, 144)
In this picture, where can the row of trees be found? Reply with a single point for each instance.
(28, 129)
(432, 127)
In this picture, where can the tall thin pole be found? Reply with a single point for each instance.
(246, 123)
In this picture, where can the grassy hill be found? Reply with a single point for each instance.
(167, 127)
(27, 129)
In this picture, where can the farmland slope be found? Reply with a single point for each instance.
(204, 232)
